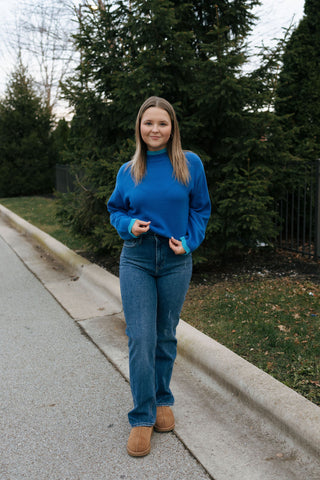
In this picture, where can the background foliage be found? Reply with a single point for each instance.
(255, 132)
(27, 154)
(192, 55)
(298, 94)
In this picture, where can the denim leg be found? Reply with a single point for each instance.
(171, 288)
(139, 297)
(154, 282)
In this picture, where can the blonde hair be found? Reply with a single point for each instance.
(138, 163)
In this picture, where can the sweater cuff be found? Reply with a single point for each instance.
(185, 246)
(130, 227)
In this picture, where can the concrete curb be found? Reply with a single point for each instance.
(102, 280)
(292, 413)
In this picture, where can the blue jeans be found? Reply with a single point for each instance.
(154, 282)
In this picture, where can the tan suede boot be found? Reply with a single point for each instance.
(139, 441)
(165, 420)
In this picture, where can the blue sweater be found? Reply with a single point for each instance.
(174, 209)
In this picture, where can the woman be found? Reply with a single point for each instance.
(160, 208)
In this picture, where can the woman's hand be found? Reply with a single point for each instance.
(140, 227)
(176, 246)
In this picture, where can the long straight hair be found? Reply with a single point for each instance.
(138, 163)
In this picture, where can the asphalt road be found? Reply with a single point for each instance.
(63, 406)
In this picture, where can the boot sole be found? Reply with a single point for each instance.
(164, 429)
(139, 454)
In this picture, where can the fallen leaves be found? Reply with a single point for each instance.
(317, 384)
(283, 328)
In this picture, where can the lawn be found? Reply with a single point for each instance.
(271, 318)
(273, 323)
(41, 212)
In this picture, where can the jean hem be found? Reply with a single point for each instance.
(143, 425)
(165, 404)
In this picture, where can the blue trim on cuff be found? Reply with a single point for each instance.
(130, 227)
(185, 246)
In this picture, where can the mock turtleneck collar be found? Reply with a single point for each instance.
(151, 153)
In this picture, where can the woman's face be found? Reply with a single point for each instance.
(155, 128)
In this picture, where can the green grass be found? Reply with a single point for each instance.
(273, 322)
(41, 212)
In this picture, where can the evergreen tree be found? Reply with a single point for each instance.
(60, 136)
(298, 104)
(128, 52)
(299, 85)
(235, 110)
(191, 54)
(26, 152)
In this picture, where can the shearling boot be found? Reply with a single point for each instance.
(139, 441)
(165, 420)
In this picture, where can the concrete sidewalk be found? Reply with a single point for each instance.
(63, 406)
(236, 420)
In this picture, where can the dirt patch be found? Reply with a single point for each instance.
(270, 264)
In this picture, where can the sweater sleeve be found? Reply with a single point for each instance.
(119, 217)
(199, 211)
